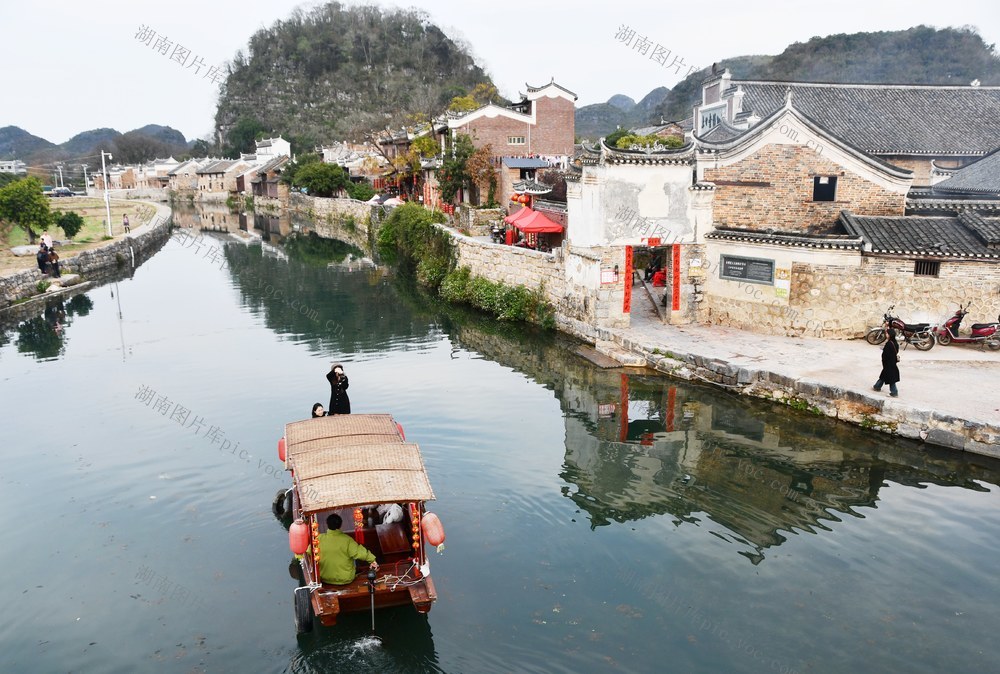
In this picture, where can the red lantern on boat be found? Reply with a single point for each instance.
(298, 537)
(281, 449)
(433, 530)
(399, 427)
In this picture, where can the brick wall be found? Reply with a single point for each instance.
(781, 196)
(551, 134)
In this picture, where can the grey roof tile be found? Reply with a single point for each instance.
(891, 118)
(924, 236)
(981, 177)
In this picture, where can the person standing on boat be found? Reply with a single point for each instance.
(339, 402)
(337, 552)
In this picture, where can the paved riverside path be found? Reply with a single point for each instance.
(960, 381)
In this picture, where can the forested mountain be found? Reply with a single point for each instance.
(335, 72)
(16, 142)
(919, 55)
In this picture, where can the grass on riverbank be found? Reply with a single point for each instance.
(93, 233)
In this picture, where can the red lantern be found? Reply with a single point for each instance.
(433, 530)
(399, 427)
(514, 198)
(298, 537)
(525, 199)
(281, 449)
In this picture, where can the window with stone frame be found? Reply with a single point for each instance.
(824, 188)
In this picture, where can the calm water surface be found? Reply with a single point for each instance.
(597, 521)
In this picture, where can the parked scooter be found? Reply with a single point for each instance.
(919, 335)
(497, 234)
(986, 334)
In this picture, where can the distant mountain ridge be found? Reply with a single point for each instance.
(919, 55)
(136, 146)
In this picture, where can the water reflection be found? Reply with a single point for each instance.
(43, 334)
(639, 446)
(219, 217)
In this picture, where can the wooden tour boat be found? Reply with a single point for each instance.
(349, 465)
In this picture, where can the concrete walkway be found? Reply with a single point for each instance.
(948, 395)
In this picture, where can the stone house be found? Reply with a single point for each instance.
(266, 181)
(184, 177)
(927, 129)
(270, 148)
(773, 227)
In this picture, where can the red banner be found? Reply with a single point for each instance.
(627, 302)
(676, 269)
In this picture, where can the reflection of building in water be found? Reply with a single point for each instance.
(640, 446)
(217, 217)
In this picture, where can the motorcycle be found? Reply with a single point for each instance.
(986, 334)
(919, 335)
(497, 234)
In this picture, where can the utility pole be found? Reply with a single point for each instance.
(107, 199)
(86, 190)
(60, 175)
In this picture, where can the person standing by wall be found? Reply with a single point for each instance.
(125, 223)
(339, 402)
(890, 363)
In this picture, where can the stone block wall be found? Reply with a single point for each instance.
(330, 211)
(837, 302)
(568, 279)
(95, 264)
(477, 220)
(773, 189)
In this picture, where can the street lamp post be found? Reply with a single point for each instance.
(107, 199)
(86, 190)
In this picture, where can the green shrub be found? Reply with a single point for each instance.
(455, 286)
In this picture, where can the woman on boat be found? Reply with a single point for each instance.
(339, 402)
(318, 410)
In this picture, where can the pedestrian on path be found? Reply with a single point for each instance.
(890, 363)
(125, 223)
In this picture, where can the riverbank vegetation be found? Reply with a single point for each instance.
(410, 241)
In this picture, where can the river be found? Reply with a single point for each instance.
(597, 520)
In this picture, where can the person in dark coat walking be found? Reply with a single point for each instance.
(339, 402)
(890, 363)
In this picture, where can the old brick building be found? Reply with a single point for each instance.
(927, 129)
(541, 123)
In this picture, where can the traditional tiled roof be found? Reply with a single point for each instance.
(531, 187)
(552, 83)
(966, 235)
(654, 155)
(721, 132)
(220, 166)
(891, 118)
(981, 178)
(793, 239)
(273, 164)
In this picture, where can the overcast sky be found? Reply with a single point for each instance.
(72, 66)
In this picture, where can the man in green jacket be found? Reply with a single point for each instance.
(337, 552)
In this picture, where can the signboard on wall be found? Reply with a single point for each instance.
(750, 269)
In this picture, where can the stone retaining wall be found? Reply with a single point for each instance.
(477, 220)
(868, 411)
(95, 264)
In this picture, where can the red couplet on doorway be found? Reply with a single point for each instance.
(627, 302)
(676, 269)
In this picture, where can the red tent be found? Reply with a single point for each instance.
(536, 223)
(514, 217)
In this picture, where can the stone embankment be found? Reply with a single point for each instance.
(946, 394)
(96, 264)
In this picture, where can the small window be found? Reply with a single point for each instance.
(926, 267)
(825, 188)
(515, 140)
